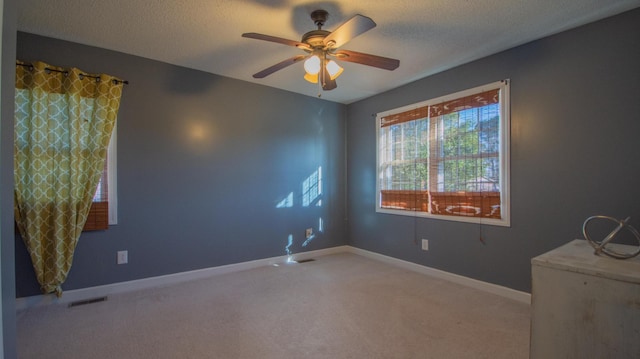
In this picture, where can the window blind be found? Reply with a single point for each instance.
(98, 217)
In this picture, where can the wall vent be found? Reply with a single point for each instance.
(305, 260)
(87, 301)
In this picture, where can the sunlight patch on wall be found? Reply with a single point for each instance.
(287, 249)
(308, 240)
(287, 202)
(312, 188)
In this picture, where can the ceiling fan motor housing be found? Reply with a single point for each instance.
(315, 38)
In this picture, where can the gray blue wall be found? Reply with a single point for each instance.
(203, 162)
(186, 204)
(575, 135)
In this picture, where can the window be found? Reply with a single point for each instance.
(104, 209)
(448, 157)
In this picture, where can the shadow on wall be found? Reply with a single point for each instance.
(177, 84)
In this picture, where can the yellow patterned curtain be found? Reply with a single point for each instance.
(63, 123)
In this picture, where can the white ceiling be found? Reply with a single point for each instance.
(426, 36)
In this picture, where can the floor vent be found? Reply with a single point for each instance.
(305, 260)
(87, 301)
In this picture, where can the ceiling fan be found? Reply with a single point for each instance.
(322, 47)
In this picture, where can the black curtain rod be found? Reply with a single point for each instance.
(67, 72)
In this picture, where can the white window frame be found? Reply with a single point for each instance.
(112, 176)
(504, 156)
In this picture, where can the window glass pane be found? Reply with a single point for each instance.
(470, 150)
(403, 155)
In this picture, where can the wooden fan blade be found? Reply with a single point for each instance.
(279, 40)
(279, 66)
(367, 59)
(347, 31)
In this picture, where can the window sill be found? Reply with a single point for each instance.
(502, 222)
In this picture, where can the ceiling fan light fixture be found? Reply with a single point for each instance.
(334, 69)
(312, 65)
(311, 78)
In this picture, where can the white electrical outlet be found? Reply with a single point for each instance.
(425, 244)
(308, 233)
(123, 257)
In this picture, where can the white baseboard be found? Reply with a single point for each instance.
(75, 295)
(519, 296)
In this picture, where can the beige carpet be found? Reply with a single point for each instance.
(338, 306)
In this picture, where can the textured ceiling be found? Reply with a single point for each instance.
(426, 36)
